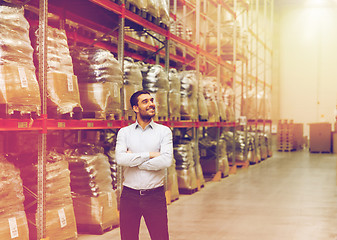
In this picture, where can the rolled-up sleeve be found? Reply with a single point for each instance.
(165, 159)
(124, 158)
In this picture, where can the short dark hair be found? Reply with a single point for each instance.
(134, 97)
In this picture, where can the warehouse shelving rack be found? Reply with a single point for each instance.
(260, 29)
(194, 56)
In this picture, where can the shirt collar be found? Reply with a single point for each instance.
(151, 125)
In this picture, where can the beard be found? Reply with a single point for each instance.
(148, 113)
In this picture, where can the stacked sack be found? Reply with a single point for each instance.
(172, 182)
(100, 80)
(62, 86)
(219, 93)
(158, 9)
(133, 81)
(95, 202)
(208, 152)
(13, 221)
(249, 105)
(188, 95)
(251, 149)
(209, 84)
(109, 150)
(239, 145)
(20, 89)
(228, 97)
(60, 218)
(174, 94)
(198, 169)
(155, 80)
(202, 104)
(183, 153)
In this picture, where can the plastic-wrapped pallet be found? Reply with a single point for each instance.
(100, 81)
(174, 95)
(187, 179)
(13, 221)
(269, 144)
(62, 86)
(219, 98)
(263, 142)
(198, 168)
(172, 182)
(239, 145)
(264, 105)
(209, 84)
(189, 91)
(133, 81)
(208, 158)
(223, 158)
(155, 80)
(251, 149)
(20, 90)
(109, 149)
(95, 202)
(249, 105)
(229, 103)
(60, 218)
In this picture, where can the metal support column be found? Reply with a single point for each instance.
(234, 80)
(42, 142)
(121, 63)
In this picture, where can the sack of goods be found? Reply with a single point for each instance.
(208, 86)
(109, 149)
(158, 9)
(60, 218)
(187, 179)
(133, 81)
(62, 86)
(155, 80)
(239, 143)
(172, 182)
(174, 95)
(19, 90)
(228, 97)
(251, 148)
(188, 95)
(13, 221)
(198, 169)
(95, 202)
(100, 80)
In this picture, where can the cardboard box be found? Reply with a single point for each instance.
(14, 226)
(63, 92)
(320, 137)
(19, 89)
(96, 214)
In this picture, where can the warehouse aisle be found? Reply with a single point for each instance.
(290, 196)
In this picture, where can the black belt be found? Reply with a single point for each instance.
(144, 191)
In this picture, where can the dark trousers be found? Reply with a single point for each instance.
(152, 206)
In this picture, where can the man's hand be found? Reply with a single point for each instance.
(154, 154)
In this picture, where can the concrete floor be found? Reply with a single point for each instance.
(291, 196)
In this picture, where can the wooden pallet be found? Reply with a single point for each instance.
(129, 115)
(94, 229)
(187, 117)
(187, 191)
(160, 118)
(145, 14)
(175, 118)
(16, 114)
(76, 113)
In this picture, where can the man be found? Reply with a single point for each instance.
(145, 149)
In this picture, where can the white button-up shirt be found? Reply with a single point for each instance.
(141, 172)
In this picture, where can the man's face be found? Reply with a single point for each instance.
(146, 107)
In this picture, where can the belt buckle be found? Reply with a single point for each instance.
(142, 192)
